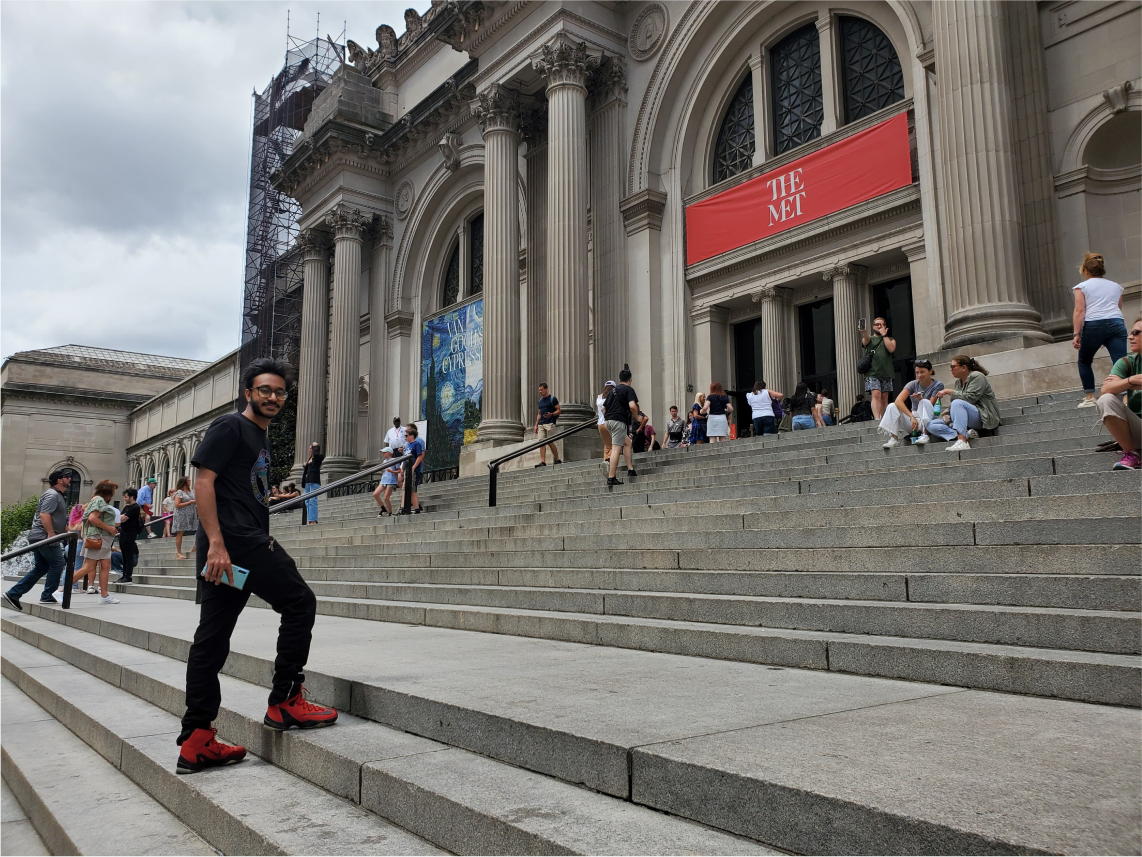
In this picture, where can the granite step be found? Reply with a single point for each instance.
(805, 761)
(458, 800)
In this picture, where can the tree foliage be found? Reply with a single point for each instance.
(15, 519)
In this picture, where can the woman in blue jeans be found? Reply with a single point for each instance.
(311, 479)
(1097, 321)
(973, 406)
(803, 404)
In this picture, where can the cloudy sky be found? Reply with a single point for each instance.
(124, 157)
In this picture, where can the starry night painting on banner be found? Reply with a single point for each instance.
(451, 382)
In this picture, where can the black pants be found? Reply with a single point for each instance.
(275, 579)
(130, 551)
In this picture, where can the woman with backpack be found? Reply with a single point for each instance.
(878, 377)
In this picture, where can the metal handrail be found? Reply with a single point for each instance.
(494, 464)
(72, 538)
(406, 506)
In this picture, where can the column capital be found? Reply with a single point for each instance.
(497, 109)
(399, 323)
(769, 292)
(713, 314)
(381, 229)
(643, 210)
(841, 271)
(533, 125)
(607, 82)
(915, 250)
(313, 243)
(346, 221)
(563, 62)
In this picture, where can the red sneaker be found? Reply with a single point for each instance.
(300, 712)
(202, 750)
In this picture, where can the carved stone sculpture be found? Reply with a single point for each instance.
(450, 149)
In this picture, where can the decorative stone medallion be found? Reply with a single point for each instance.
(406, 193)
(648, 32)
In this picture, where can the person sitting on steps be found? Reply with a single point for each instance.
(1124, 419)
(973, 405)
(913, 408)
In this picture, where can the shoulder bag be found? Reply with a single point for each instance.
(864, 365)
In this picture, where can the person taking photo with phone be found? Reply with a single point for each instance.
(878, 379)
(232, 490)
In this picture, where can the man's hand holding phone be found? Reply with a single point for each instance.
(217, 564)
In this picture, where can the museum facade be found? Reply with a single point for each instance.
(516, 192)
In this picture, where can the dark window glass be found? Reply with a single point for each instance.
(734, 150)
(452, 279)
(893, 302)
(870, 69)
(72, 495)
(797, 103)
(818, 347)
(476, 253)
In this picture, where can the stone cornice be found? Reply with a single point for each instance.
(183, 431)
(715, 314)
(643, 210)
(399, 323)
(74, 395)
(897, 203)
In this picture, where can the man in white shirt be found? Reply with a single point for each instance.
(395, 437)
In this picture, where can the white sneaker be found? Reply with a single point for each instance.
(892, 442)
(921, 440)
(973, 434)
(110, 599)
(1088, 403)
(959, 446)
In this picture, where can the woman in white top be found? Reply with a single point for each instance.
(1098, 321)
(603, 433)
(761, 403)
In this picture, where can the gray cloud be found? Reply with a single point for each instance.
(124, 156)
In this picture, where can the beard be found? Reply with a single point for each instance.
(262, 412)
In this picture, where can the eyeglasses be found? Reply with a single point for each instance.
(270, 392)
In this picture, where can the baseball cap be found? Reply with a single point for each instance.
(152, 481)
(609, 384)
(387, 449)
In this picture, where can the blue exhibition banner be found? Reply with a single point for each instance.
(451, 381)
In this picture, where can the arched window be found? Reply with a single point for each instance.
(798, 107)
(469, 252)
(452, 279)
(476, 254)
(733, 152)
(870, 69)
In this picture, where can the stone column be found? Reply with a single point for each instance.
(987, 291)
(846, 312)
(612, 346)
(314, 347)
(498, 112)
(711, 348)
(775, 342)
(565, 64)
(382, 229)
(345, 340)
(642, 218)
(535, 134)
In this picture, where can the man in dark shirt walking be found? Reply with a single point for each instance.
(545, 420)
(130, 527)
(620, 409)
(50, 520)
(232, 490)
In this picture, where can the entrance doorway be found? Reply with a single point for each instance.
(747, 369)
(892, 301)
(818, 346)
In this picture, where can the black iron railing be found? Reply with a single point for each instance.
(406, 506)
(494, 464)
(72, 539)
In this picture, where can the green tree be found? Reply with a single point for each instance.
(15, 519)
(283, 431)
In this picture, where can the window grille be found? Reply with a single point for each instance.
(476, 254)
(870, 69)
(798, 107)
(452, 279)
(733, 152)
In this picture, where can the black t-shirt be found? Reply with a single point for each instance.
(132, 520)
(239, 452)
(718, 405)
(617, 405)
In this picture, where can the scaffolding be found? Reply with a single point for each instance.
(271, 309)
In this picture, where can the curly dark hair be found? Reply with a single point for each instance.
(268, 366)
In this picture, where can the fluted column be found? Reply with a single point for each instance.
(382, 231)
(846, 312)
(498, 111)
(564, 64)
(345, 340)
(775, 343)
(314, 347)
(612, 349)
(987, 292)
(535, 135)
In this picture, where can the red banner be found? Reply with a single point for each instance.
(852, 170)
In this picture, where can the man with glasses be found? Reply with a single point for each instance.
(233, 490)
(1124, 419)
(414, 446)
(50, 520)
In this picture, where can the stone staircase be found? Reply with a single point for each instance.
(802, 643)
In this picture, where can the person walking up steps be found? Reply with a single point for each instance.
(600, 403)
(50, 520)
(546, 418)
(621, 409)
(1098, 322)
(311, 480)
(232, 488)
